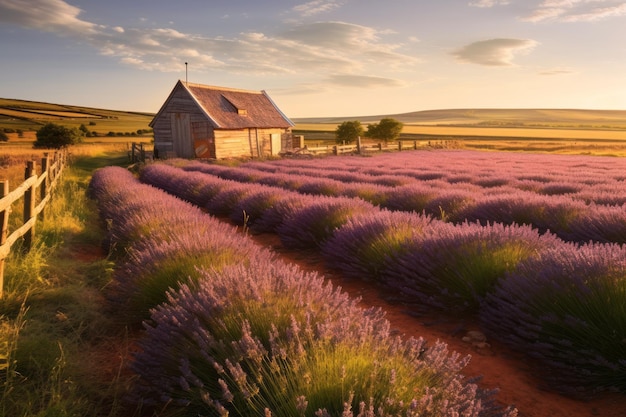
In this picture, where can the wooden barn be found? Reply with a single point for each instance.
(201, 121)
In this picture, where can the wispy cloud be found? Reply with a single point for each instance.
(576, 10)
(316, 7)
(46, 15)
(557, 71)
(494, 52)
(488, 3)
(313, 49)
(363, 81)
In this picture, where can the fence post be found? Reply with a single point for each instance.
(415, 144)
(399, 145)
(358, 144)
(4, 229)
(29, 206)
(43, 191)
(335, 150)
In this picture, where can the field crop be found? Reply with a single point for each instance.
(260, 337)
(520, 210)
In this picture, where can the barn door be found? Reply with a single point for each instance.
(275, 142)
(181, 135)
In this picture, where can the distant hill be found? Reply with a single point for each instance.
(571, 118)
(31, 115)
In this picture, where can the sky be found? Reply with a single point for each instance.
(319, 58)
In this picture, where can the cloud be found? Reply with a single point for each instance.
(494, 52)
(557, 71)
(312, 49)
(316, 7)
(576, 10)
(46, 15)
(363, 81)
(488, 3)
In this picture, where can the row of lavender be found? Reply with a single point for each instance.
(230, 330)
(562, 303)
(550, 194)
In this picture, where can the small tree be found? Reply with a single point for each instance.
(56, 136)
(3, 137)
(348, 132)
(387, 129)
(84, 130)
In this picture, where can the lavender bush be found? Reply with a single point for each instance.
(242, 344)
(413, 197)
(454, 268)
(155, 265)
(567, 308)
(310, 226)
(194, 187)
(360, 247)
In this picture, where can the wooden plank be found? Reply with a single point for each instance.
(16, 194)
(16, 234)
(4, 230)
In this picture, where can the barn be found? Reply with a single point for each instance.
(202, 121)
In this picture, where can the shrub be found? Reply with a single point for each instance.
(242, 344)
(414, 197)
(454, 268)
(567, 308)
(56, 136)
(310, 226)
(360, 247)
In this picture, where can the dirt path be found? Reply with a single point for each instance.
(500, 367)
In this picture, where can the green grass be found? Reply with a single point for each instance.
(60, 354)
(31, 115)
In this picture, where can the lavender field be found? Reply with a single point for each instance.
(229, 329)
(530, 244)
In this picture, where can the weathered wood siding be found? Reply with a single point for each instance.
(232, 143)
(200, 130)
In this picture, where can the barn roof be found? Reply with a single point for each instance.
(229, 108)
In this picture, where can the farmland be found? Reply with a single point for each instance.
(29, 116)
(447, 234)
(487, 233)
(531, 130)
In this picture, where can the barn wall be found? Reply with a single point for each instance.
(201, 130)
(248, 142)
(232, 143)
(265, 140)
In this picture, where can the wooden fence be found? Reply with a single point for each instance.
(34, 203)
(364, 148)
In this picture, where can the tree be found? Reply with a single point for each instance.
(3, 136)
(387, 129)
(56, 136)
(348, 131)
(84, 131)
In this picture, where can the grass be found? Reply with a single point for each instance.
(52, 324)
(586, 140)
(31, 115)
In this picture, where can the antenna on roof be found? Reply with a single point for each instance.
(186, 74)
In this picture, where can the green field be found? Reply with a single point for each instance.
(29, 116)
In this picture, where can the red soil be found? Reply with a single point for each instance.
(515, 376)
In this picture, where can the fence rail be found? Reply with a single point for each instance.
(364, 148)
(34, 206)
